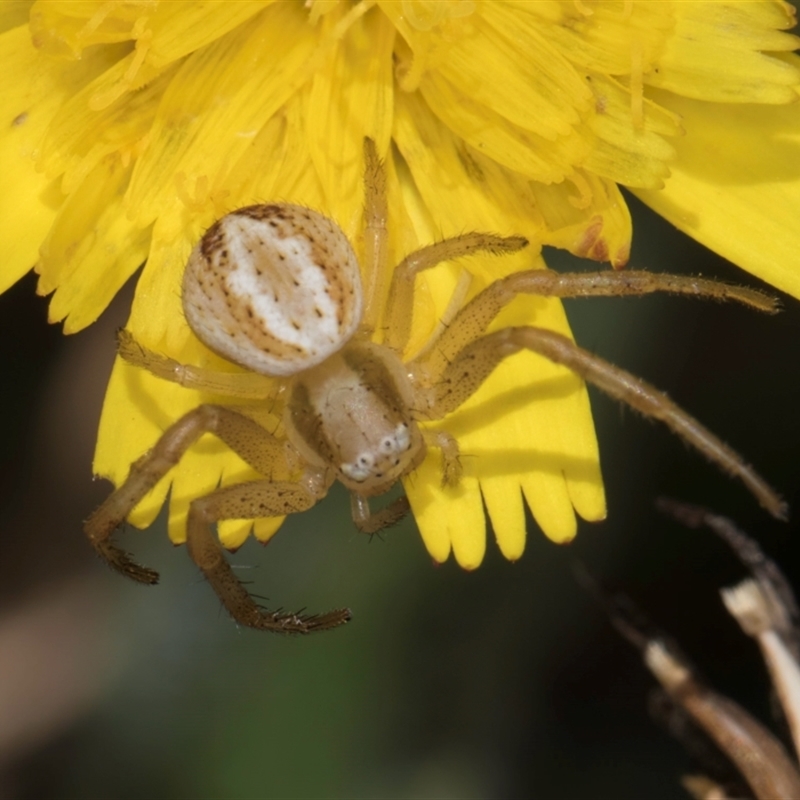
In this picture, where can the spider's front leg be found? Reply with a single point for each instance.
(400, 305)
(450, 386)
(474, 318)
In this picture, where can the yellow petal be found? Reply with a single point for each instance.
(507, 513)
(530, 425)
(181, 28)
(587, 216)
(425, 498)
(215, 105)
(462, 189)
(464, 521)
(628, 150)
(449, 188)
(30, 94)
(714, 53)
(342, 112)
(735, 185)
(126, 433)
(14, 13)
(276, 165)
(138, 409)
(490, 133)
(602, 36)
(157, 319)
(168, 30)
(79, 135)
(91, 249)
(505, 61)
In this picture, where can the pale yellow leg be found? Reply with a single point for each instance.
(461, 377)
(473, 320)
(246, 385)
(371, 522)
(254, 444)
(376, 236)
(400, 305)
(452, 468)
(248, 501)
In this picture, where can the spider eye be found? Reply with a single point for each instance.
(361, 468)
(402, 436)
(273, 288)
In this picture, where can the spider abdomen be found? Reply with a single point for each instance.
(274, 288)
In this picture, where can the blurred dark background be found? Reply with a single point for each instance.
(506, 682)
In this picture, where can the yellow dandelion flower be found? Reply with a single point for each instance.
(130, 126)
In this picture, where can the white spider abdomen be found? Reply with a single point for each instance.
(274, 288)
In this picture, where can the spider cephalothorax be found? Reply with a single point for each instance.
(277, 289)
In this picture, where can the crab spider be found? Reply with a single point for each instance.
(277, 290)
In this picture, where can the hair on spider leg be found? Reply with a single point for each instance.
(245, 566)
(376, 534)
(262, 597)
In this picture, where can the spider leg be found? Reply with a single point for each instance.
(371, 522)
(400, 304)
(246, 385)
(252, 442)
(475, 317)
(452, 468)
(248, 501)
(375, 236)
(460, 378)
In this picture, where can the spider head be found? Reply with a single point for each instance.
(378, 462)
(352, 413)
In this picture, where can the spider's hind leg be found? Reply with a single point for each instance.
(248, 501)
(252, 442)
(235, 384)
(449, 388)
